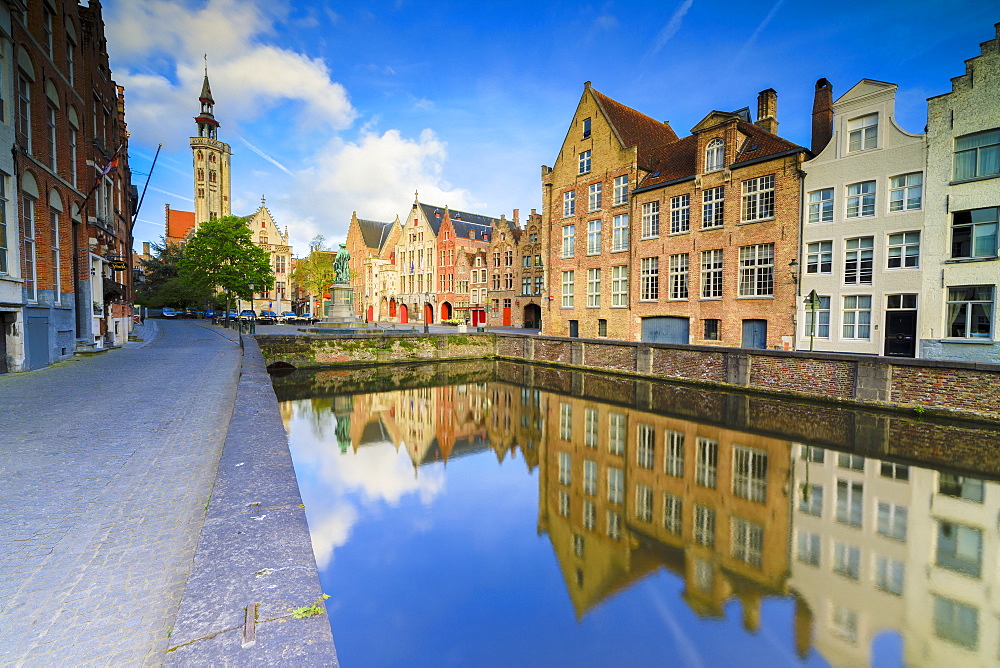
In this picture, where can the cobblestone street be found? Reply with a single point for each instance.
(107, 466)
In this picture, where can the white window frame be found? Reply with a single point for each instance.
(594, 237)
(970, 312)
(673, 513)
(750, 473)
(585, 157)
(673, 458)
(707, 463)
(704, 525)
(680, 214)
(568, 241)
(617, 433)
(819, 257)
(650, 274)
(906, 192)
(857, 317)
(678, 276)
(758, 199)
(711, 273)
(569, 203)
(978, 229)
(645, 450)
(620, 190)
(822, 316)
(619, 286)
(568, 288)
(862, 133)
(593, 288)
(850, 502)
(746, 541)
(650, 219)
(861, 199)
(715, 155)
(903, 250)
(30, 259)
(859, 260)
(619, 233)
(643, 503)
(973, 151)
(820, 208)
(594, 197)
(616, 485)
(757, 270)
(589, 477)
(713, 208)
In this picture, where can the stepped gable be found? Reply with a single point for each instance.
(675, 161)
(635, 129)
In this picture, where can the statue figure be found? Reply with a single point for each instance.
(340, 265)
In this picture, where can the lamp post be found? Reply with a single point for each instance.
(427, 298)
(253, 330)
(812, 303)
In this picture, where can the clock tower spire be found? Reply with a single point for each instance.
(211, 161)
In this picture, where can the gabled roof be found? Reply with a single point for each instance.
(374, 233)
(676, 161)
(633, 128)
(179, 223)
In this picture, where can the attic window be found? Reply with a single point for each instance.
(753, 148)
(654, 175)
(586, 128)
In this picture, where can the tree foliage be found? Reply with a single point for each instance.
(222, 254)
(162, 284)
(316, 273)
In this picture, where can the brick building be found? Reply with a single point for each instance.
(727, 196)
(69, 183)
(366, 239)
(503, 271)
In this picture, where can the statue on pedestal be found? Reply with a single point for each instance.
(341, 266)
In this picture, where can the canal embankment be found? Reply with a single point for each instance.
(253, 596)
(922, 387)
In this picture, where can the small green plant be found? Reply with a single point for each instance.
(919, 410)
(313, 610)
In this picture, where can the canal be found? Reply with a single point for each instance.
(495, 513)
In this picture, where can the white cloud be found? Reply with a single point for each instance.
(251, 75)
(669, 30)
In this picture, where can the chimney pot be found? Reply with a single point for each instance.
(822, 116)
(767, 110)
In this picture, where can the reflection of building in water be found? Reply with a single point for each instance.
(516, 422)
(882, 547)
(624, 492)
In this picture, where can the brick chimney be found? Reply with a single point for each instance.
(822, 126)
(767, 110)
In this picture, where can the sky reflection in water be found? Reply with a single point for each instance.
(489, 524)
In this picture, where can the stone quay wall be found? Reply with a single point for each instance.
(961, 389)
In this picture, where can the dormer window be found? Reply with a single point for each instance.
(862, 133)
(715, 155)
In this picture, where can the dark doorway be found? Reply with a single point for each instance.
(574, 328)
(533, 316)
(666, 329)
(3, 344)
(755, 334)
(901, 333)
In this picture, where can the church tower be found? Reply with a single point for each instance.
(211, 163)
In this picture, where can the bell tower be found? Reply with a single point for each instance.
(211, 162)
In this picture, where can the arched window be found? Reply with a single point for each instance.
(715, 155)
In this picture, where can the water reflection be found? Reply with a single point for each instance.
(827, 554)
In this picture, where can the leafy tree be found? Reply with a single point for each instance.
(316, 273)
(222, 254)
(162, 284)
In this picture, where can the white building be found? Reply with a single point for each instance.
(958, 319)
(863, 210)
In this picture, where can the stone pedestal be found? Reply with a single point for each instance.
(340, 313)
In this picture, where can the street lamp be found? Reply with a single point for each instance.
(812, 303)
(254, 313)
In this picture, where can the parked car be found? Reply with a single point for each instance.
(233, 315)
(247, 314)
(306, 318)
(168, 312)
(287, 316)
(210, 313)
(267, 318)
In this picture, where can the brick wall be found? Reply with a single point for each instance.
(822, 377)
(603, 356)
(689, 364)
(931, 386)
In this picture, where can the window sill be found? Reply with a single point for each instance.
(592, 254)
(678, 299)
(619, 250)
(963, 260)
(759, 220)
(755, 297)
(710, 299)
(648, 301)
(677, 234)
(975, 342)
(657, 236)
(986, 177)
(714, 227)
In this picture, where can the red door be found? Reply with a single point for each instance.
(428, 314)
(371, 313)
(404, 316)
(506, 317)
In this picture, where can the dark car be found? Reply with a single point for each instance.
(210, 313)
(247, 314)
(267, 318)
(287, 316)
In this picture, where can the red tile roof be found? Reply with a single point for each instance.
(179, 223)
(634, 128)
(676, 160)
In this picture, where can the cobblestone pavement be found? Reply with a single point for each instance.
(106, 467)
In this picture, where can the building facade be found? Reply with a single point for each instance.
(266, 234)
(365, 242)
(72, 196)
(958, 320)
(863, 219)
(211, 158)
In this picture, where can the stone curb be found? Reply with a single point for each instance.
(254, 550)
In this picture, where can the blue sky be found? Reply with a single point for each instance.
(334, 107)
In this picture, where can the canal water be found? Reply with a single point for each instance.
(498, 514)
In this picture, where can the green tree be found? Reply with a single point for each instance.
(222, 254)
(162, 284)
(316, 273)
